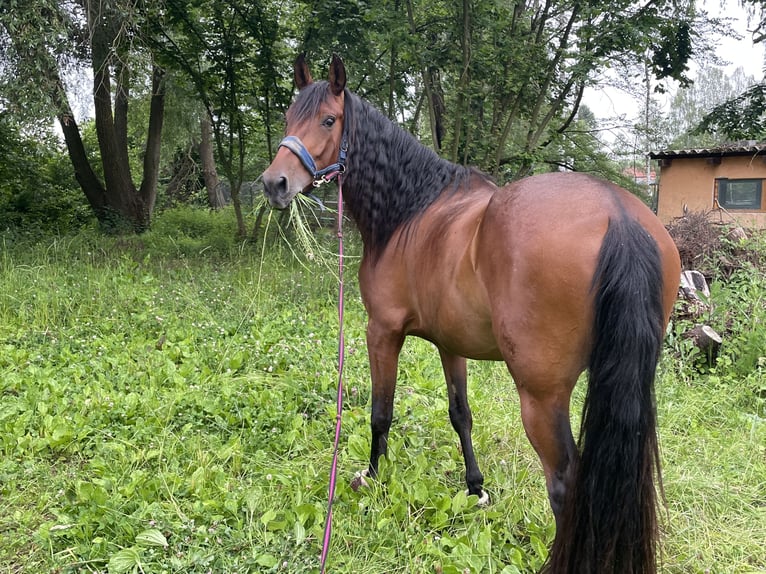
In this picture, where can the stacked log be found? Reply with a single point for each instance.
(695, 293)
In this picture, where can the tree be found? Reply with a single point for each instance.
(580, 148)
(43, 40)
(522, 70)
(740, 118)
(712, 87)
(743, 116)
(207, 158)
(226, 51)
(491, 84)
(499, 82)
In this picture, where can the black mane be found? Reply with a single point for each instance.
(390, 177)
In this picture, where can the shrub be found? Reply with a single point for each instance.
(190, 231)
(38, 192)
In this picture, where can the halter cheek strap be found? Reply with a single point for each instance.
(324, 175)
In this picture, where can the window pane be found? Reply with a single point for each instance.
(740, 194)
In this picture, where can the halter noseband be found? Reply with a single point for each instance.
(324, 175)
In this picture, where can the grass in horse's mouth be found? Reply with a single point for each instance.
(303, 220)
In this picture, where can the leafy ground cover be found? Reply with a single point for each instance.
(167, 405)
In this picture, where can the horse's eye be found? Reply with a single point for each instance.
(329, 121)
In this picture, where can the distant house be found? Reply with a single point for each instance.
(727, 180)
(638, 175)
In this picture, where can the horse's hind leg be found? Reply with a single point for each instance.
(383, 347)
(546, 421)
(462, 421)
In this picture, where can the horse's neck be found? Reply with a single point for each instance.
(387, 188)
(392, 177)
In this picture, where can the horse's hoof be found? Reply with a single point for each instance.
(359, 481)
(483, 499)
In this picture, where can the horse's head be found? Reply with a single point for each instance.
(313, 150)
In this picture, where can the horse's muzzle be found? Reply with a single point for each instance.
(276, 190)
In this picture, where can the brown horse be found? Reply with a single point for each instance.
(553, 274)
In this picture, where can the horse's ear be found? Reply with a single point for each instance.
(302, 74)
(337, 75)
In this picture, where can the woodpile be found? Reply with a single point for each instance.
(711, 250)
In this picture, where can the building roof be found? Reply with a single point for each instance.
(638, 173)
(741, 148)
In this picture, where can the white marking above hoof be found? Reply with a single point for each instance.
(359, 481)
(483, 499)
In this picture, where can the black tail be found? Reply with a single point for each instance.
(609, 524)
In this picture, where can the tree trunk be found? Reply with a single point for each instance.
(464, 82)
(121, 195)
(209, 172)
(436, 105)
(237, 204)
(707, 341)
(434, 109)
(128, 209)
(151, 172)
(392, 75)
(121, 99)
(89, 182)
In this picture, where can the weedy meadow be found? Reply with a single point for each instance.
(167, 405)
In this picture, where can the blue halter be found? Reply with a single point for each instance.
(324, 175)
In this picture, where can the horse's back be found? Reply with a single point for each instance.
(560, 219)
(568, 201)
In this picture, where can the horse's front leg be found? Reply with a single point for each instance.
(455, 372)
(383, 347)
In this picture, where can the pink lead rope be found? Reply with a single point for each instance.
(339, 411)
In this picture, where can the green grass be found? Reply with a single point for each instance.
(167, 405)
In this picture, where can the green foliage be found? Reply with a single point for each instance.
(712, 87)
(189, 232)
(743, 117)
(489, 84)
(672, 53)
(45, 41)
(743, 322)
(38, 193)
(580, 149)
(737, 311)
(227, 56)
(35, 36)
(740, 118)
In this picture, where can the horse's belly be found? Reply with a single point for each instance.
(478, 350)
(459, 329)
